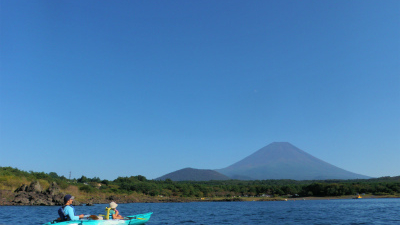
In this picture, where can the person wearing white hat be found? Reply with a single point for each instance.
(114, 213)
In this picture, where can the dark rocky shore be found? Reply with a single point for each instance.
(35, 195)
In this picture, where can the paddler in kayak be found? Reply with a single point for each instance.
(67, 211)
(114, 213)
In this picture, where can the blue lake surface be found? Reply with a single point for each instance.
(349, 211)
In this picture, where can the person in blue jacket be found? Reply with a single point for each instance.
(67, 211)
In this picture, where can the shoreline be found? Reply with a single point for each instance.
(344, 197)
(35, 195)
(221, 199)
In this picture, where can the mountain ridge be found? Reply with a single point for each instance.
(282, 160)
(278, 160)
(192, 174)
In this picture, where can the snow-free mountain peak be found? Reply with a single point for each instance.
(282, 160)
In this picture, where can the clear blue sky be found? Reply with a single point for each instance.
(121, 88)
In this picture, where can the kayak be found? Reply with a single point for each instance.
(135, 219)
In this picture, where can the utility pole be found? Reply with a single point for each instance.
(69, 175)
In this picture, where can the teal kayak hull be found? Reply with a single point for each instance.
(135, 219)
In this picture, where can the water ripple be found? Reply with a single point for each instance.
(318, 212)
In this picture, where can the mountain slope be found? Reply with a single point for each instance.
(194, 175)
(281, 160)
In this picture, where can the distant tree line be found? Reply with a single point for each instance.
(227, 188)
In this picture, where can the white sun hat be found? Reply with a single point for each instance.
(113, 205)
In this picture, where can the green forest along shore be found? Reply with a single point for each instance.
(19, 187)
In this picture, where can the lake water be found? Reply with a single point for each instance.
(350, 211)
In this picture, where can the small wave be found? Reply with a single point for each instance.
(187, 221)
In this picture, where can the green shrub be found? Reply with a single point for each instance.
(88, 189)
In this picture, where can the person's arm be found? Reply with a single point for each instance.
(117, 215)
(70, 212)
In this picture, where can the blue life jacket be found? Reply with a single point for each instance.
(62, 215)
